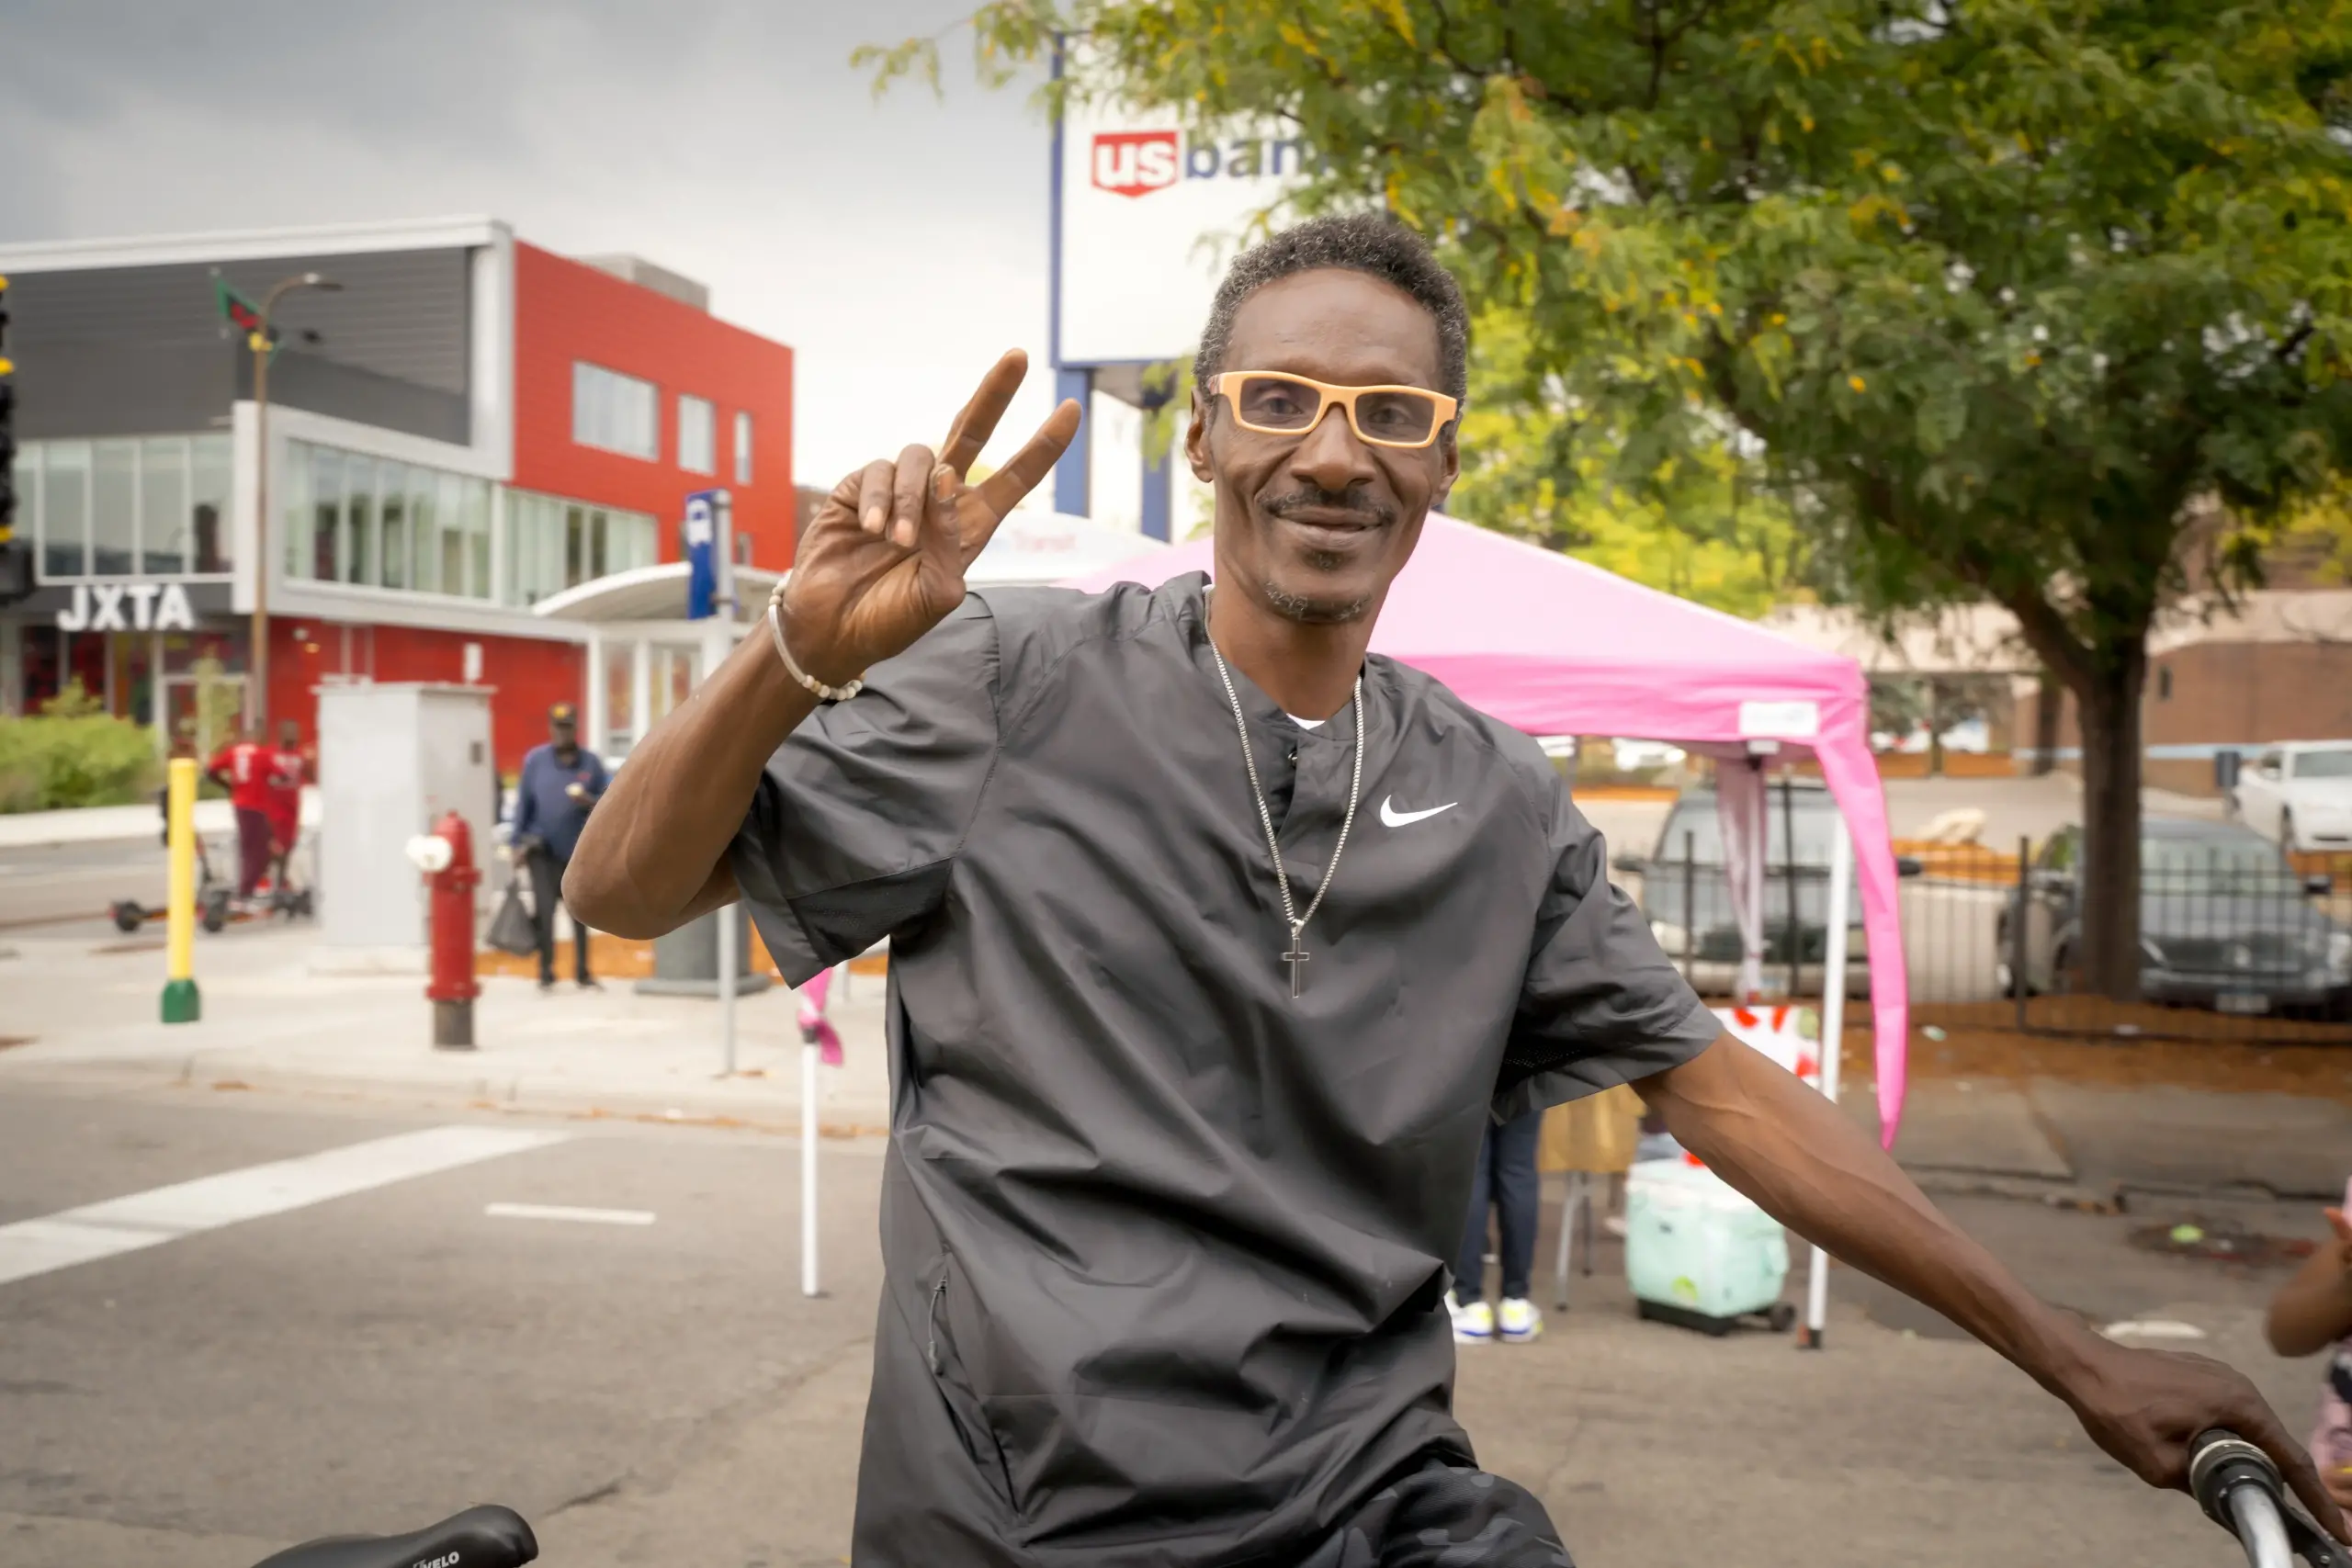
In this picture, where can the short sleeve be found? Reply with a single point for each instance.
(857, 821)
(1602, 1003)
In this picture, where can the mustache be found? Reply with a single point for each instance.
(1375, 514)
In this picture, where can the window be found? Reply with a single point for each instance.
(553, 544)
(163, 506)
(358, 562)
(742, 448)
(697, 436)
(614, 411)
(384, 524)
(65, 508)
(2328, 765)
(114, 508)
(391, 522)
(143, 506)
(208, 501)
(2163, 683)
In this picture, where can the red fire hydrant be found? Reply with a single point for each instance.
(445, 855)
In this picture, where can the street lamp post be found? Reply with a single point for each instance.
(258, 340)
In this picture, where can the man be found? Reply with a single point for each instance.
(241, 767)
(289, 768)
(561, 784)
(1182, 1124)
(1503, 1181)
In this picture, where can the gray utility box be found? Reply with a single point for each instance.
(393, 756)
(685, 961)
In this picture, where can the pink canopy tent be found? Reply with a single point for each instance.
(1552, 646)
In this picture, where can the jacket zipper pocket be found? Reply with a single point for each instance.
(931, 1323)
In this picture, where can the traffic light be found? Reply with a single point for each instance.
(16, 555)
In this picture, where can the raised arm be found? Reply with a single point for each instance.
(881, 564)
(1809, 1167)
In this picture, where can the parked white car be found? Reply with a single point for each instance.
(2299, 794)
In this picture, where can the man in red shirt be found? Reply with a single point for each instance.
(241, 767)
(289, 767)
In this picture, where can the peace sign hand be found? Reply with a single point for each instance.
(883, 560)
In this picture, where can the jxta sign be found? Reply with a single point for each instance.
(1136, 163)
(150, 606)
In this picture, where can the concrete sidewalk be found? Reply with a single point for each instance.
(123, 824)
(87, 1012)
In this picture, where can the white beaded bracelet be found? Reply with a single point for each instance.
(808, 682)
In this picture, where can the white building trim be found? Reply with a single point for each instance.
(253, 244)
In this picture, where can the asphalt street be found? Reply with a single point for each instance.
(656, 1390)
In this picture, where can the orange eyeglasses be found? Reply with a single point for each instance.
(1276, 403)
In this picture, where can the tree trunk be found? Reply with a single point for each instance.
(2046, 701)
(2108, 707)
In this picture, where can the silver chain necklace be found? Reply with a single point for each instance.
(1297, 956)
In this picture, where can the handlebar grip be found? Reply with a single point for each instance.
(2219, 1463)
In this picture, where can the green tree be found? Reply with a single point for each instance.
(1537, 461)
(2006, 292)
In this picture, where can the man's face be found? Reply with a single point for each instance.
(1315, 525)
(564, 733)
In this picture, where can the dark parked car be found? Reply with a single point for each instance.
(2225, 923)
(1693, 827)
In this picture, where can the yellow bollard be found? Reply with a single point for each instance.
(180, 1002)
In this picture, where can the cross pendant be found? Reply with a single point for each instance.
(1296, 958)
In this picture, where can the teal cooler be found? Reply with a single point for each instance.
(1698, 1252)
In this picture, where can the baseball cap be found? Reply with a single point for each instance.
(563, 712)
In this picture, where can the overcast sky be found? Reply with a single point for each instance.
(899, 245)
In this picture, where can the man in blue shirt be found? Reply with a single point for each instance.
(560, 785)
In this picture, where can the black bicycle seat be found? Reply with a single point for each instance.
(487, 1537)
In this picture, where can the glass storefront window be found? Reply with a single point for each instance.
(65, 508)
(476, 514)
(114, 508)
(448, 535)
(426, 575)
(620, 695)
(298, 515)
(358, 518)
(391, 524)
(163, 506)
(124, 507)
(326, 513)
(207, 500)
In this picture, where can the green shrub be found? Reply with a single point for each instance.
(73, 755)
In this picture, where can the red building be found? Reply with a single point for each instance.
(460, 427)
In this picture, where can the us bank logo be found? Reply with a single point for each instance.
(1138, 162)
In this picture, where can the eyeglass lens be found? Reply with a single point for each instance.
(1277, 402)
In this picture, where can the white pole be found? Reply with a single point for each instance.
(1833, 1047)
(728, 915)
(808, 1169)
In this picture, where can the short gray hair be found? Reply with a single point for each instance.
(1370, 242)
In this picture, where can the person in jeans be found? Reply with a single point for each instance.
(561, 784)
(242, 768)
(1504, 1181)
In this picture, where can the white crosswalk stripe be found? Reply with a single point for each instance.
(166, 1213)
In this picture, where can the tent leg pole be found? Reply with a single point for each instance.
(1833, 1047)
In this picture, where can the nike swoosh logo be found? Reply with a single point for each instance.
(1396, 818)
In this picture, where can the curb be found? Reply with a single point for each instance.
(515, 1095)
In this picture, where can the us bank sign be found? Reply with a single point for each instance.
(126, 607)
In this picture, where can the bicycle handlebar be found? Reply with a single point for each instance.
(2240, 1490)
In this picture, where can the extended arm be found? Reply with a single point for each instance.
(1792, 1152)
(2313, 1310)
(881, 563)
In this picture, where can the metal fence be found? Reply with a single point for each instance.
(2237, 948)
